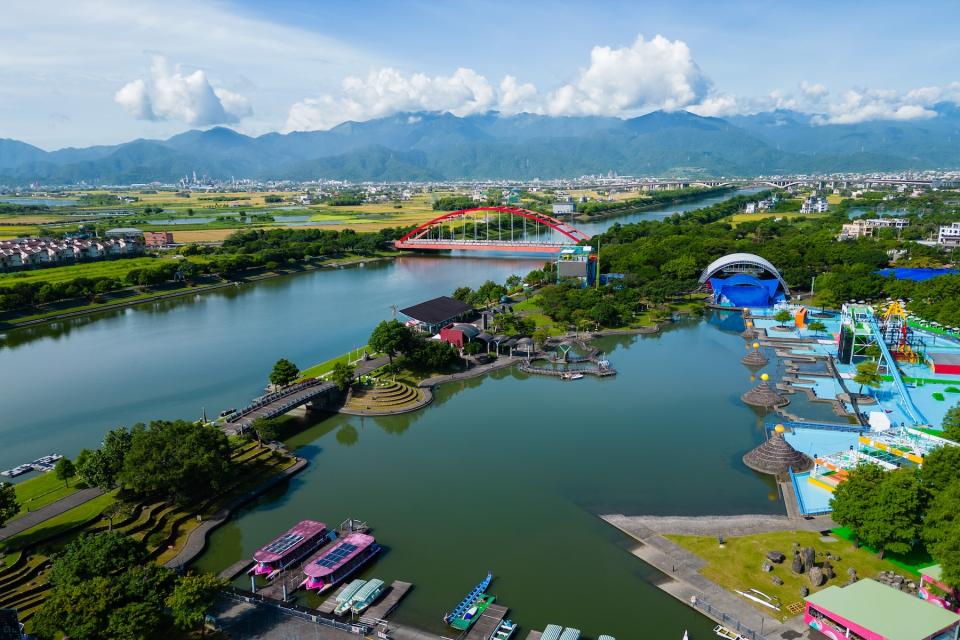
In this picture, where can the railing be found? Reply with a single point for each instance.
(304, 613)
(270, 398)
(824, 426)
(800, 503)
(730, 622)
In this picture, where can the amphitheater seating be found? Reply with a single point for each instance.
(390, 396)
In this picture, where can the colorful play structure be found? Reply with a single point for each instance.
(899, 336)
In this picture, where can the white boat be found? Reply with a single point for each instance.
(504, 631)
(723, 632)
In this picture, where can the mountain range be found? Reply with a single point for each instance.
(442, 146)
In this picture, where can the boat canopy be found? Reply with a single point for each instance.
(351, 590)
(552, 632)
(304, 532)
(570, 634)
(369, 589)
(606, 637)
(337, 555)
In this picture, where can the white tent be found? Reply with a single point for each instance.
(879, 421)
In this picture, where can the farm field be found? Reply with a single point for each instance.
(737, 218)
(106, 268)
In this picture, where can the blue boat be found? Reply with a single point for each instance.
(469, 600)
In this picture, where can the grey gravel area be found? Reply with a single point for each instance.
(741, 525)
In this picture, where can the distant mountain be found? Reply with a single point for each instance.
(436, 146)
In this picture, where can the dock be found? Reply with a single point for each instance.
(487, 623)
(385, 606)
(327, 606)
(234, 570)
(557, 373)
(534, 635)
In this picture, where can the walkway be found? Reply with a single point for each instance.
(33, 518)
(684, 582)
(197, 540)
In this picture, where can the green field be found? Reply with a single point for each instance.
(318, 370)
(105, 268)
(42, 490)
(67, 520)
(736, 565)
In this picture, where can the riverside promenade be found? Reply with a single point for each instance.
(681, 569)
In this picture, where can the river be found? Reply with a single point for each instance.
(504, 473)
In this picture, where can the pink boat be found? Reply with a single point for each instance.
(290, 548)
(339, 561)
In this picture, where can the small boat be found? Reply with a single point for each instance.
(723, 632)
(289, 548)
(469, 600)
(227, 412)
(346, 597)
(504, 630)
(367, 595)
(465, 620)
(575, 376)
(338, 561)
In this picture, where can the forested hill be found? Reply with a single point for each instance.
(435, 146)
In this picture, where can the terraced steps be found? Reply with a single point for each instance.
(390, 396)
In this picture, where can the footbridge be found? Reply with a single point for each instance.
(493, 229)
(276, 404)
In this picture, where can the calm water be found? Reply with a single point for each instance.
(47, 202)
(500, 473)
(506, 473)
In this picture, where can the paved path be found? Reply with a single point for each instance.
(715, 525)
(197, 540)
(479, 370)
(684, 582)
(53, 509)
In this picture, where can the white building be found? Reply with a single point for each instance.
(563, 208)
(949, 235)
(865, 228)
(751, 207)
(814, 204)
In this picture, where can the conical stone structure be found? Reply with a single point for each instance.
(754, 359)
(775, 456)
(763, 395)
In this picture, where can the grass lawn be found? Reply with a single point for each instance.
(912, 562)
(42, 490)
(105, 268)
(737, 218)
(60, 523)
(737, 564)
(318, 370)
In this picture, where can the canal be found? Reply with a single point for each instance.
(503, 473)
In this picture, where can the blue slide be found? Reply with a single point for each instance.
(907, 402)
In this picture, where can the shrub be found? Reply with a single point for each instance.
(938, 396)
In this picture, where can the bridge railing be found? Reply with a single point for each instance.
(273, 397)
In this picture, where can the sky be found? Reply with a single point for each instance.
(86, 72)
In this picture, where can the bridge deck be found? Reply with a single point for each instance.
(482, 245)
(275, 404)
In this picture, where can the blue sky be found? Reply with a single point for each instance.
(83, 72)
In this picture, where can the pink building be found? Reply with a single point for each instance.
(868, 610)
(933, 589)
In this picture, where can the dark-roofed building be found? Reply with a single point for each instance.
(432, 315)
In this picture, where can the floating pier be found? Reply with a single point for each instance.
(385, 606)
(558, 373)
(487, 623)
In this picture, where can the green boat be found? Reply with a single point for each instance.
(465, 620)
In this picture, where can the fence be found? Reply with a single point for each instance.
(825, 426)
(727, 621)
(304, 613)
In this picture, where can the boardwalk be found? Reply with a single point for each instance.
(33, 518)
(488, 622)
(386, 605)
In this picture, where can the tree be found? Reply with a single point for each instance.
(90, 556)
(180, 460)
(817, 327)
(941, 516)
(192, 597)
(390, 337)
(951, 423)
(867, 375)
(284, 372)
(540, 336)
(64, 470)
(855, 497)
(941, 467)
(946, 551)
(342, 375)
(9, 506)
(782, 317)
(894, 521)
(265, 429)
(101, 467)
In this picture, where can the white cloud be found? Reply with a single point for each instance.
(857, 106)
(655, 74)
(388, 91)
(173, 95)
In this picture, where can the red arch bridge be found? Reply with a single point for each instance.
(493, 229)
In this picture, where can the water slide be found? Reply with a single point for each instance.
(907, 402)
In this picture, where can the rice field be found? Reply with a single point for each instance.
(106, 268)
